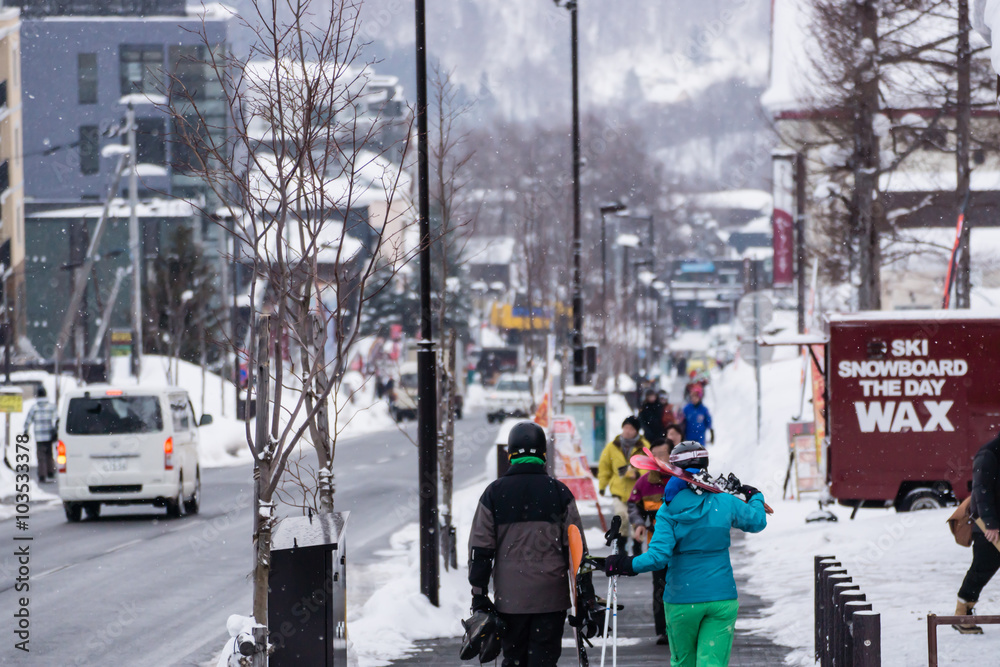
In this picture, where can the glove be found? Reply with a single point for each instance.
(618, 564)
(748, 491)
(601, 492)
(483, 603)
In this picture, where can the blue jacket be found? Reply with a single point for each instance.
(697, 420)
(692, 538)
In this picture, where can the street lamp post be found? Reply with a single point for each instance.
(427, 463)
(615, 207)
(579, 370)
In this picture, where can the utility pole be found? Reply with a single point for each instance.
(579, 372)
(800, 238)
(134, 245)
(963, 131)
(427, 456)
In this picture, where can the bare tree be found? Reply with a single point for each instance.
(449, 157)
(893, 85)
(301, 165)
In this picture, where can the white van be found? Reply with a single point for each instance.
(126, 446)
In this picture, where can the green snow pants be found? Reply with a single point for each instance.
(701, 634)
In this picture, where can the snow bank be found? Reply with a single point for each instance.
(355, 411)
(396, 614)
(907, 564)
(223, 442)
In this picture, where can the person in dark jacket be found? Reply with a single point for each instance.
(985, 556)
(651, 417)
(645, 501)
(519, 538)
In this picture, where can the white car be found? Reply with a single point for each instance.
(511, 397)
(126, 446)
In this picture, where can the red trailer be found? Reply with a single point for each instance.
(911, 396)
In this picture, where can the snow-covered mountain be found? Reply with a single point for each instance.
(518, 50)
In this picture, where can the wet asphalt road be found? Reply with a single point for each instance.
(134, 587)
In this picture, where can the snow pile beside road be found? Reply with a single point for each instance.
(354, 412)
(223, 442)
(8, 490)
(397, 614)
(907, 564)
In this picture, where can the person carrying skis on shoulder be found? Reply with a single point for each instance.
(697, 418)
(645, 501)
(519, 539)
(615, 472)
(692, 540)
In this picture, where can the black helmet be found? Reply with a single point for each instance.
(689, 454)
(526, 439)
(482, 637)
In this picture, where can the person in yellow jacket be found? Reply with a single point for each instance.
(614, 471)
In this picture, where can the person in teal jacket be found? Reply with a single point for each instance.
(693, 537)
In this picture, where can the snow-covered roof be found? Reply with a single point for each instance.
(944, 180)
(745, 199)
(153, 208)
(332, 244)
(759, 225)
(482, 250)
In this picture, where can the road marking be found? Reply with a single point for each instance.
(54, 570)
(123, 545)
(188, 524)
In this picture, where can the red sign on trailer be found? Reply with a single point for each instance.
(912, 396)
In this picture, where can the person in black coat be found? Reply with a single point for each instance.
(985, 555)
(519, 541)
(654, 427)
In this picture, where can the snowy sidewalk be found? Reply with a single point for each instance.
(636, 642)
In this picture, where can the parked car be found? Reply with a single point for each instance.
(403, 401)
(511, 397)
(127, 446)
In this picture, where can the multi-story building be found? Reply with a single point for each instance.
(83, 61)
(11, 183)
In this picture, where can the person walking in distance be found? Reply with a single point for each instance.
(985, 556)
(697, 418)
(651, 417)
(692, 541)
(43, 415)
(643, 504)
(614, 471)
(519, 539)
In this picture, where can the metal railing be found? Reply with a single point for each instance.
(847, 632)
(933, 621)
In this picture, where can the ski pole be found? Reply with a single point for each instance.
(611, 537)
(607, 618)
(614, 643)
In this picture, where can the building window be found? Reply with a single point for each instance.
(142, 69)
(150, 141)
(86, 77)
(89, 146)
